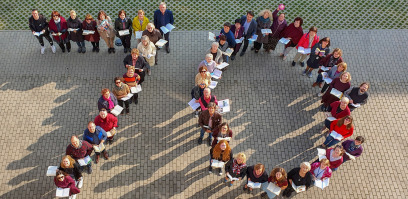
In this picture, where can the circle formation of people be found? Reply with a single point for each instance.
(268, 29)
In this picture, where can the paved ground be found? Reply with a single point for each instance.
(275, 119)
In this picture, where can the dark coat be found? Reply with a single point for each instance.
(91, 26)
(168, 18)
(276, 28)
(261, 25)
(205, 118)
(314, 59)
(42, 25)
(119, 25)
(102, 103)
(75, 24)
(153, 36)
(63, 29)
(252, 27)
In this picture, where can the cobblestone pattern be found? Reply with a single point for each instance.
(275, 118)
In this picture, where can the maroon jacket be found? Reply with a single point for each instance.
(68, 182)
(91, 26)
(294, 33)
(86, 149)
(325, 61)
(240, 34)
(342, 113)
(64, 29)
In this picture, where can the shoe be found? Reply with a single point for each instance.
(249, 190)
(256, 51)
(209, 142)
(72, 196)
(79, 49)
(149, 72)
(155, 63)
(105, 155)
(242, 54)
(80, 183)
(200, 140)
(97, 49)
(304, 73)
(244, 188)
(68, 49)
(302, 64)
(42, 50)
(109, 50)
(320, 94)
(309, 74)
(90, 170)
(113, 50)
(196, 114)
(230, 184)
(110, 141)
(125, 50)
(225, 179)
(284, 58)
(97, 159)
(127, 111)
(252, 48)
(136, 101)
(321, 84)
(323, 129)
(232, 57)
(94, 49)
(264, 194)
(168, 49)
(293, 63)
(210, 170)
(53, 49)
(63, 50)
(83, 49)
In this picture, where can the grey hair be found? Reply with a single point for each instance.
(306, 164)
(209, 55)
(215, 43)
(145, 38)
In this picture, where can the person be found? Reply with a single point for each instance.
(335, 156)
(353, 147)
(108, 122)
(338, 109)
(228, 34)
(65, 181)
(71, 168)
(208, 62)
(278, 177)
(238, 32)
(216, 52)
(331, 60)
(58, 28)
(207, 98)
(96, 136)
(222, 131)
(299, 176)
(203, 74)
(358, 95)
(334, 72)
(38, 24)
(79, 149)
(107, 100)
(124, 23)
(223, 46)
(162, 17)
(138, 62)
(321, 170)
(263, 22)
(90, 24)
(208, 120)
(308, 40)
(256, 174)
(154, 36)
(106, 30)
(235, 168)
(342, 127)
(139, 24)
(121, 90)
(132, 79)
(249, 25)
(75, 35)
(148, 51)
(293, 32)
(221, 152)
(319, 51)
(341, 83)
(197, 92)
(279, 23)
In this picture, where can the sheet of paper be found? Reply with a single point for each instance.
(264, 31)
(164, 29)
(238, 41)
(228, 52)
(52, 170)
(211, 36)
(72, 29)
(138, 34)
(124, 32)
(304, 51)
(327, 80)
(161, 43)
(336, 93)
(56, 34)
(61, 192)
(253, 38)
(88, 32)
(222, 65)
(331, 118)
(127, 97)
(322, 183)
(213, 84)
(116, 110)
(226, 138)
(352, 157)
(84, 161)
(323, 68)
(224, 106)
(284, 40)
(298, 189)
(321, 153)
(136, 89)
(273, 188)
(170, 27)
(194, 105)
(356, 105)
(217, 164)
(336, 136)
(254, 185)
(216, 74)
(232, 178)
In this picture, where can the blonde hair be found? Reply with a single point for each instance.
(135, 51)
(150, 25)
(349, 76)
(72, 12)
(241, 156)
(263, 12)
(145, 38)
(344, 64)
(306, 164)
(209, 55)
(325, 162)
(140, 11)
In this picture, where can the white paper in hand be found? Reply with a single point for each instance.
(231, 178)
(136, 89)
(273, 188)
(352, 157)
(84, 161)
(213, 84)
(336, 93)
(224, 106)
(298, 189)
(217, 164)
(52, 170)
(211, 36)
(254, 185)
(284, 40)
(123, 32)
(127, 97)
(222, 65)
(61, 192)
(321, 153)
(336, 136)
(216, 74)
(116, 110)
(161, 43)
(322, 183)
(323, 68)
(194, 105)
(138, 34)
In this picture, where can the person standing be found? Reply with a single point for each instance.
(162, 17)
(75, 31)
(58, 28)
(95, 135)
(105, 29)
(38, 24)
(90, 25)
(278, 25)
(208, 121)
(250, 28)
(124, 23)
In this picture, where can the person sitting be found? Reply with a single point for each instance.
(318, 52)
(79, 149)
(220, 152)
(132, 79)
(137, 61)
(154, 36)
(278, 177)
(206, 99)
(238, 31)
(338, 109)
(208, 120)
(222, 131)
(223, 46)
(107, 101)
(208, 62)
(358, 95)
(121, 90)
(321, 170)
(335, 156)
(255, 174)
(343, 128)
(90, 24)
(299, 176)
(308, 40)
(333, 73)
(148, 51)
(64, 181)
(197, 92)
(353, 147)
(341, 84)
(293, 32)
(72, 168)
(235, 168)
(216, 52)
(107, 122)
(202, 75)
(96, 136)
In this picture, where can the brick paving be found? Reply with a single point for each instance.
(275, 118)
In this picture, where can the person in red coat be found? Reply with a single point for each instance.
(108, 122)
(90, 24)
(339, 130)
(65, 181)
(293, 32)
(339, 109)
(308, 40)
(58, 28)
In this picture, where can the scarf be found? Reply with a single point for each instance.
(57, 21)
(263, 20)
(111, 105)
(236, 168)
(257, 176)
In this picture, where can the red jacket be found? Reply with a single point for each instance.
(342, 130)
(326, 173)
(108, 123)
(343, 113)
(91, 26)
(336, 163)
(64, 29)
(304, 41)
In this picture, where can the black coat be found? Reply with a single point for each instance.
(119, 25)
(41, 25)
(75, 23)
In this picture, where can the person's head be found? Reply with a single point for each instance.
(140, 14)
(102, 15)
(359, 140)
(298, 22)
(279, 173)
(118, 81)
(135, 53)
(88, 18)
(150, 27)
(324, 163)
(341, 67)
(105, 93)
(60, 176)
(227, 27)
(34, 13)
(207, 93)
(211, 106)
(265, 14)
(250, 15)
(103, 113)
(224, 127)
(67, 162)
(130, 71)
(325, 41)
(338, 150)
(72, 14)
(145, 40)
(305, 167)
(344, 101)
(312, 31)
(223, 39)
(162, 7)
(122, 14)
(345, 77)
(337, 52)
(259, 169)
(91, 127)
(347, 121)
(203, 84)
(203, 70)
(281, 17)
(214, 46)
(222, 148)
(237, 24)
(55, 15)
(75, 141)
(241, 158)
(364, 87)
(209, 57)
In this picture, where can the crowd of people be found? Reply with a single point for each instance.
(338, 97)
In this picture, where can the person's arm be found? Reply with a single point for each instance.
(308, 180)
(88, 147)
(153, 47)
(63, 27)
(348, 133)
(155, 19)
(114, 121)
(358, 152)
(77, 172)
(313, 50)
(31, 24)
(100, 105)
(203, 108)
(171, 17)
(201, 120)
(333, 125)
(134, 24)
(129, 22)
(104, 135)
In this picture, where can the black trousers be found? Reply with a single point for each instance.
(41, 39)
(61, 45)
(257, 45)
(246, 43)
(125, 40)
(121, 102)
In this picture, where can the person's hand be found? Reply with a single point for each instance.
(208, 131)
(351, 101)
(140, 70)
(43, 31)
(278, 8)
(33, 32)
(75, 31)
(266, 34)
(102, 141)
(211, 160)
(249, 179)
(138, 78)
(290, 181)
(314, 178)
(289, 38)
(197, 101)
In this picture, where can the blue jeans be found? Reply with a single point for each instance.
(330, 141)
(327, 123)
(80, 44)
(319, 78)
(264, 188)
(202, 134)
